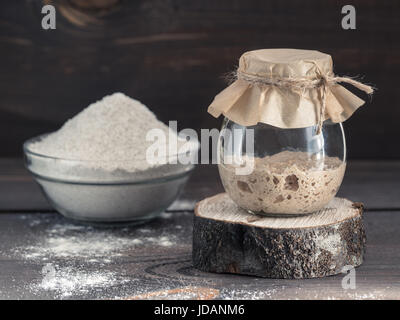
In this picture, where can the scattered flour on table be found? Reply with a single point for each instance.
(68, 281)
(194, 292)
(111, 133)
(242, 294)
(68, 241)
(76, 258)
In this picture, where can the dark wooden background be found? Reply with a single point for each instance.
(170, 54)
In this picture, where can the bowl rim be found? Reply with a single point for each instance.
(25, 147)
(160, 179)
(163, 179)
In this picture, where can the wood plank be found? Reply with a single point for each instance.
(373, 183)
(154, 260)
(180, 50)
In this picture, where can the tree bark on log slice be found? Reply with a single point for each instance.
(228, 239)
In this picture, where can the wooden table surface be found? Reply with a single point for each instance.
(43, 255)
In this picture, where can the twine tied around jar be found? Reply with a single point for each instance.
(321, 82)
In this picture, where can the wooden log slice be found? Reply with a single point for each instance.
(228, 239)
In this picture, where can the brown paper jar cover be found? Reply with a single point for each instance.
(247, 103)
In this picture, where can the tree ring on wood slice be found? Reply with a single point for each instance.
(228, 239)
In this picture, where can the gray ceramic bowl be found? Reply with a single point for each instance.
(78, 191)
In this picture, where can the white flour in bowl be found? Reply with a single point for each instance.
(97, 168)
(109, 134)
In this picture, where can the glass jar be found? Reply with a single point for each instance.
(274, 171)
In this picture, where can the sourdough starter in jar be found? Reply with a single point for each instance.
(285, 183)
